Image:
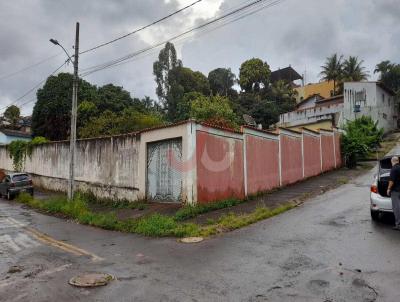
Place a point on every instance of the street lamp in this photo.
(71, 179)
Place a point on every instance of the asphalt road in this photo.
(326, 250)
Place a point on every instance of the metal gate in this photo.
(164, 178)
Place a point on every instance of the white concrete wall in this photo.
(378, 104)
(105, 166)
(311, 115)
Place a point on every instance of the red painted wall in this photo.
(312, 156)
(262, 157)
(328, 155)
(338, 150)
(219, 167)
(292, 166)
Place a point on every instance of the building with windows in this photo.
(359, 99)
(324, 89)
(371, 99)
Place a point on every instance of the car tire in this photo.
(375, 215)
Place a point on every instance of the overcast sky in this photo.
(300, 33)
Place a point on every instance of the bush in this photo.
(361, 136)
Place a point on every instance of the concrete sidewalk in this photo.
(296, 193)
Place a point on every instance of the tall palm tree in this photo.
(353, 70)
(332, 70)
(383, 67)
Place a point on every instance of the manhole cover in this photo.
(91, 280)
(192, 239)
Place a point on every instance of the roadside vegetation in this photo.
(153, 225)
(361, 137)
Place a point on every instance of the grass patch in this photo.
(342, 180)
(233, 221)
(155, 225)
(189, 211)
(114, 203)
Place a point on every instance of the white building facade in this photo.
(359, 99)
(370, 99)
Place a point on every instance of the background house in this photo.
(8, 135)
(372, 99)
(324, 89)
(359, 99)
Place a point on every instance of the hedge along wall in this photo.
(107, 167)
(261, 160)
(291, 156)
(219, 160)
(328, 150)
(312, 153)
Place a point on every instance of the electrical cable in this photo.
(141, 28)
(117, 61)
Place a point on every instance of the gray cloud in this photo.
(300, 33)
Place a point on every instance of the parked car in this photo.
(380, 201)
(15, 183)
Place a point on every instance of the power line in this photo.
(118, 61)
(9, 75)
(181, 40)
(34, 87)
(141, 28)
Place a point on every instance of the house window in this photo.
(383, 98)
(384, 116)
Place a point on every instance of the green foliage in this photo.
(221, 81)
(361, 135)
(338, 70)
(167, 60)
(51, 114)
(155, 225)
(86, 111)
(19, 149)
(353, 70)
(12, 114)
(188, 212)
(110, 123)
(183, 81)
(233, 221)
(254, 75)
(214, 109)
(389, 75)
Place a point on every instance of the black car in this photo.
(15, 183)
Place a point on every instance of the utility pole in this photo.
(71, 180)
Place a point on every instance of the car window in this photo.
(20, 177)
(386, 164)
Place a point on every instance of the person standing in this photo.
(394, 190)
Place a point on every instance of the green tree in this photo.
(353, 70)
(52, 111)
(86, 111)
(389, 75)
(221, 81)
(12, 114)
(360, 137)
(183, 80)
(332, 70)
(254, 75)
(167, 60)
(284, 96)
(113, 98)
(111, 123)
(213, 109)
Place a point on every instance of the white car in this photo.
(380, 201)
